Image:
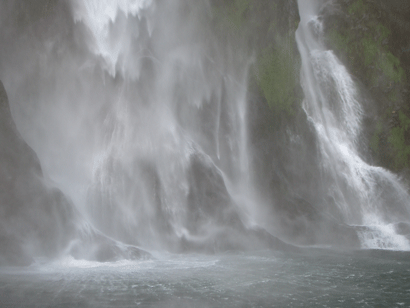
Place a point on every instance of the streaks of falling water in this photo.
(125, 103)
(140, 175)
(363, 194)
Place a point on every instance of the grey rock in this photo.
(36, 220)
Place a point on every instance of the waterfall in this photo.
(138, 112)
(139, 115)
(366, 196)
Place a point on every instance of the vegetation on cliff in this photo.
(267, 28)
(367, 35)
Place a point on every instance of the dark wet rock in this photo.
(402, 228)
(208, 198)
(35, 219)
(214, 220)
(305, 224)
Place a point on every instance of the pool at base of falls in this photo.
(312, 278)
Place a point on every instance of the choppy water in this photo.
(314, 278)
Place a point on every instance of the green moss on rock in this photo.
(268, 28)
(375, 140)
(397, 139)
(276, 79)
(233, 16)
(390, 66)
(370, 50)
(357, 7)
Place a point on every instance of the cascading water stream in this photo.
(363, 195)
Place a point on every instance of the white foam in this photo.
(383, 236)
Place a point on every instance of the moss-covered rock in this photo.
(276, 79)
(267, 30)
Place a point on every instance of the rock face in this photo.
(285, 149)
(367, 36)
(213, 219)
(35, 220)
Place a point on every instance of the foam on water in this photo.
(383, 237)
(162, 262)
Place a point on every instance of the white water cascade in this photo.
(369, 197)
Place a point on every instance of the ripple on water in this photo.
(263, 279)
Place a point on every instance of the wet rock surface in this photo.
(214, 219)
(35, 219)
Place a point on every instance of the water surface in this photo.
(313, 278)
